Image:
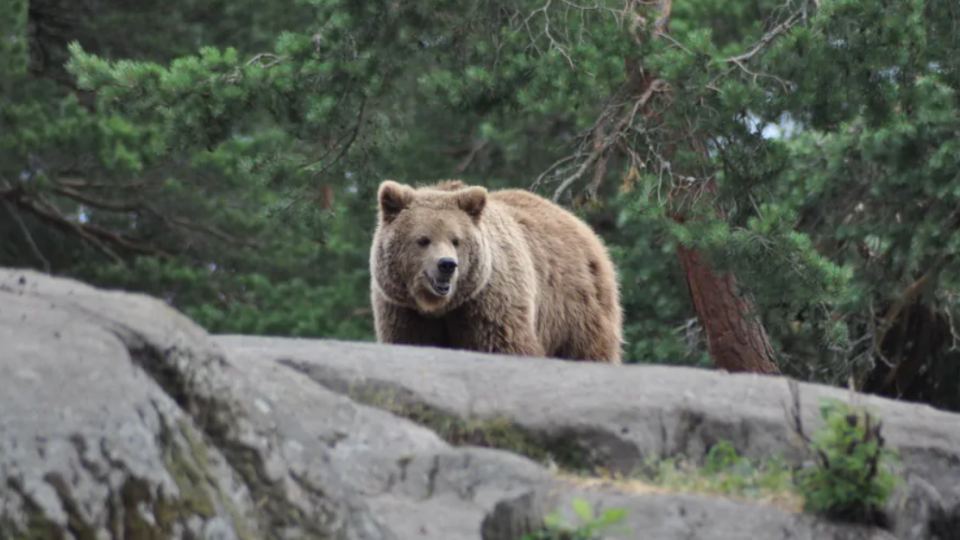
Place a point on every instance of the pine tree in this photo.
(227, 161)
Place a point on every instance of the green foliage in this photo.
(590, 528)
(659, 326)
(724, 473)
(224, 156)
(13, 47)
(852, 478)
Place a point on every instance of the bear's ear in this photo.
(394, 198)
(472, 201)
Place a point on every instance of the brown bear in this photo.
(506, 271)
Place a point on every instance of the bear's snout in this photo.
(446, 266)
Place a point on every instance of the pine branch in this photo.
(141, 207)
(49, 213)
(96, 237)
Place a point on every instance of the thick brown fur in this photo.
(530, 279)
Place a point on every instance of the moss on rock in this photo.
(136, 511)
(499, 432)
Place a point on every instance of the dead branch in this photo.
(766, 40)
(795, 414)
(910, 295)
(49, 213)
(275, 59)
(344, 143)
(639, 81)
(95, 236)
(476, 146)
(15, 216)
(142, 207)
(78, 183)
(137, 207)
(553, 167)
(46, 211)
(575, 176)
(125, 241)
(554, 44)
(662, 24)
(603, 144)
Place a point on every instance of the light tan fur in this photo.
(531, 278)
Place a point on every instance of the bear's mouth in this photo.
(440, 287)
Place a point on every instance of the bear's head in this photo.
(430, 252)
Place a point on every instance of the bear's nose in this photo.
(446, 265)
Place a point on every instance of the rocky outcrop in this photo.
(620, 416)
(120, 418)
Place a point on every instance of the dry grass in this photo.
(688, 480)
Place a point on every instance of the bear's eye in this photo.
(456, 241)
(423, 241)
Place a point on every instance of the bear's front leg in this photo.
(404, 326)
(502, 331)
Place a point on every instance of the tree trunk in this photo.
(737, 340)
(736, 337)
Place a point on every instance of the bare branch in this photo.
(78, 183)
(475, 147)
(141, 207)
(275, 59)
(15, 215)
(27, 236)
(102, 205)
(546, 31)
(951, 224)
(767, 38)
(596, 142)
(551, 168)
(662, 23)
(575, 176)
(602, 145)
(344, 143)
(48, 212)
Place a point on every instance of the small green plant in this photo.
(558, 529)
(724, 473)
(851, 477)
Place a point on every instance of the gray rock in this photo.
(414, 483)
(516, 517)
(918, 512)
(120, 418)
(117, 368)
(91, 445)
(317, 464)
(622, 414)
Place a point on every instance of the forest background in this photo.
(778, 180)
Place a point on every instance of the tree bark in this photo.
(737, 340)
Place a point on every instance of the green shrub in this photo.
(851, 478)
(590, 528)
